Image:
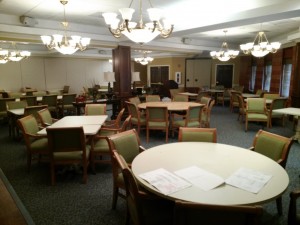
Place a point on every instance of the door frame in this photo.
(216, 72)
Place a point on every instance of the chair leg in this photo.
(52, 174)
(29, 162)
(279, 205)
(115, 197)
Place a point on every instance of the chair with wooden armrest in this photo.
(242, 107)
(256, 110)
(31, 100)
(180, 98)
(205, 115)
(275, 147)
(51, 102)
(277, 103)
(152, 98)
(33, 110)
(66, 107)
(46, 117)
(135, 100)
(138, 119)
(95, 109)
(127, 144)
(197, 134)
(116, 123)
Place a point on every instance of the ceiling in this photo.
(198, 25)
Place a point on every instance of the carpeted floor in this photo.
(70, 202)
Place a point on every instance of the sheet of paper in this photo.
(165, 181)
(248, 179)
(200, 177)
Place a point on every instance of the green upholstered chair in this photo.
(174, 92)
(46, 117)
(271, 95)
(127, 144)
(66, 107)
(138, 119)
(100, 151)
(39, 93)
(197, 134)
(157, 118)
(242, 107)
(51, 102)
(277, 103)
(67, 146)
(3, 107)
(143, 208)
(15, 94)
(275, 147)
(205, 100)
(180, 98)
(205, 115)
(95, 109)
(192, 119)
(293, 213)
(135, 100)
(234, 101)
(31, 100)
(220, 98)
(12, 119)
(189, 213)
(16, 105)
(116, 123)
(152, 98)
(33, 110)
(36, 145)
(256, 110)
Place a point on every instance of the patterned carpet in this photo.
(70, 202)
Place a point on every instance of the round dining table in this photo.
(219, 159)
(172, 106)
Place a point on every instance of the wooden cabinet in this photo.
(198, 72)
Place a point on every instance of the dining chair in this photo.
(67, 146)
(143, 208)
(66, 107)
(116, 123)
(205, 115)
(174, 92)
(220, 99)
(192, 119)
(256, 110)
(157, 118)
(180, 98)
(31, 100)
(15, 94)
(135, 100)
(3, 107)
(36, 145)
(277, 103)
(39, 93)
(51, 102)
(66, 89)
(100, 151)
(152, 98)
(189, 213)
(197, 134)
(293, 212)
(275, 147)
(242, 107)
(95, 109)
(138, 118)
(46, 117)
(127, 144)
(12, 119)
(234, 101)
(33, 110)
(16, 104)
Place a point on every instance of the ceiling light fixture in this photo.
(145, 59)
(62, 43)
(138, 31)
(260, 46)
(224, 54)
(14, 56)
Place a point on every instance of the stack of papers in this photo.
(168, 183)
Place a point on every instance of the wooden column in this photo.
(295, 82)
(122, 69)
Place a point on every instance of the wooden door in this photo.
(159, 74)
(224, 75)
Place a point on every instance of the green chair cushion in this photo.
(71, 155)
(269, 147)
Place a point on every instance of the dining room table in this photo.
(172, 106)
(240, 173)
(91, 124)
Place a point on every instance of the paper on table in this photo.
(248, 179)
(165, 181)
(200, 178)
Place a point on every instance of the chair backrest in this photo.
(14, 94)
(135, 100)
(126, 144)
(174, 92)
(16, 105)
(3, 103)
(117, 121)
(205, 100)
(152, 98)
(189, 213)
(50, 100)
(193, 115)
(156, 115)
(273, 146)
(197, 134)
(278, 103)
(39, 93)
(33, 110)
(271, 95)
(180, 98)
(95, 109)
(66, 89)
(256, 105)
(31, 100)
(45, 117)
(241, 102)
(28, 125)
(68, 99)
(133, 110)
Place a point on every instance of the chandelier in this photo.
(145, 59)
(224, 54)
(261, 46)
(138, 32)
(14, 56)
(62, 43)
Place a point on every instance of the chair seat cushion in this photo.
(39, 144)
(101, 145)
(158, 124)
(76, 155)
(257, 116)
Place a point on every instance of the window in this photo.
(286, 79)
(252, 79)
(266, 81)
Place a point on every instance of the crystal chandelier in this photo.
(224, 54)
(14, 56)
(62, 43)
(138, 31)
(261, 46)
(145, 59)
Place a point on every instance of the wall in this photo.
(53, 73)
